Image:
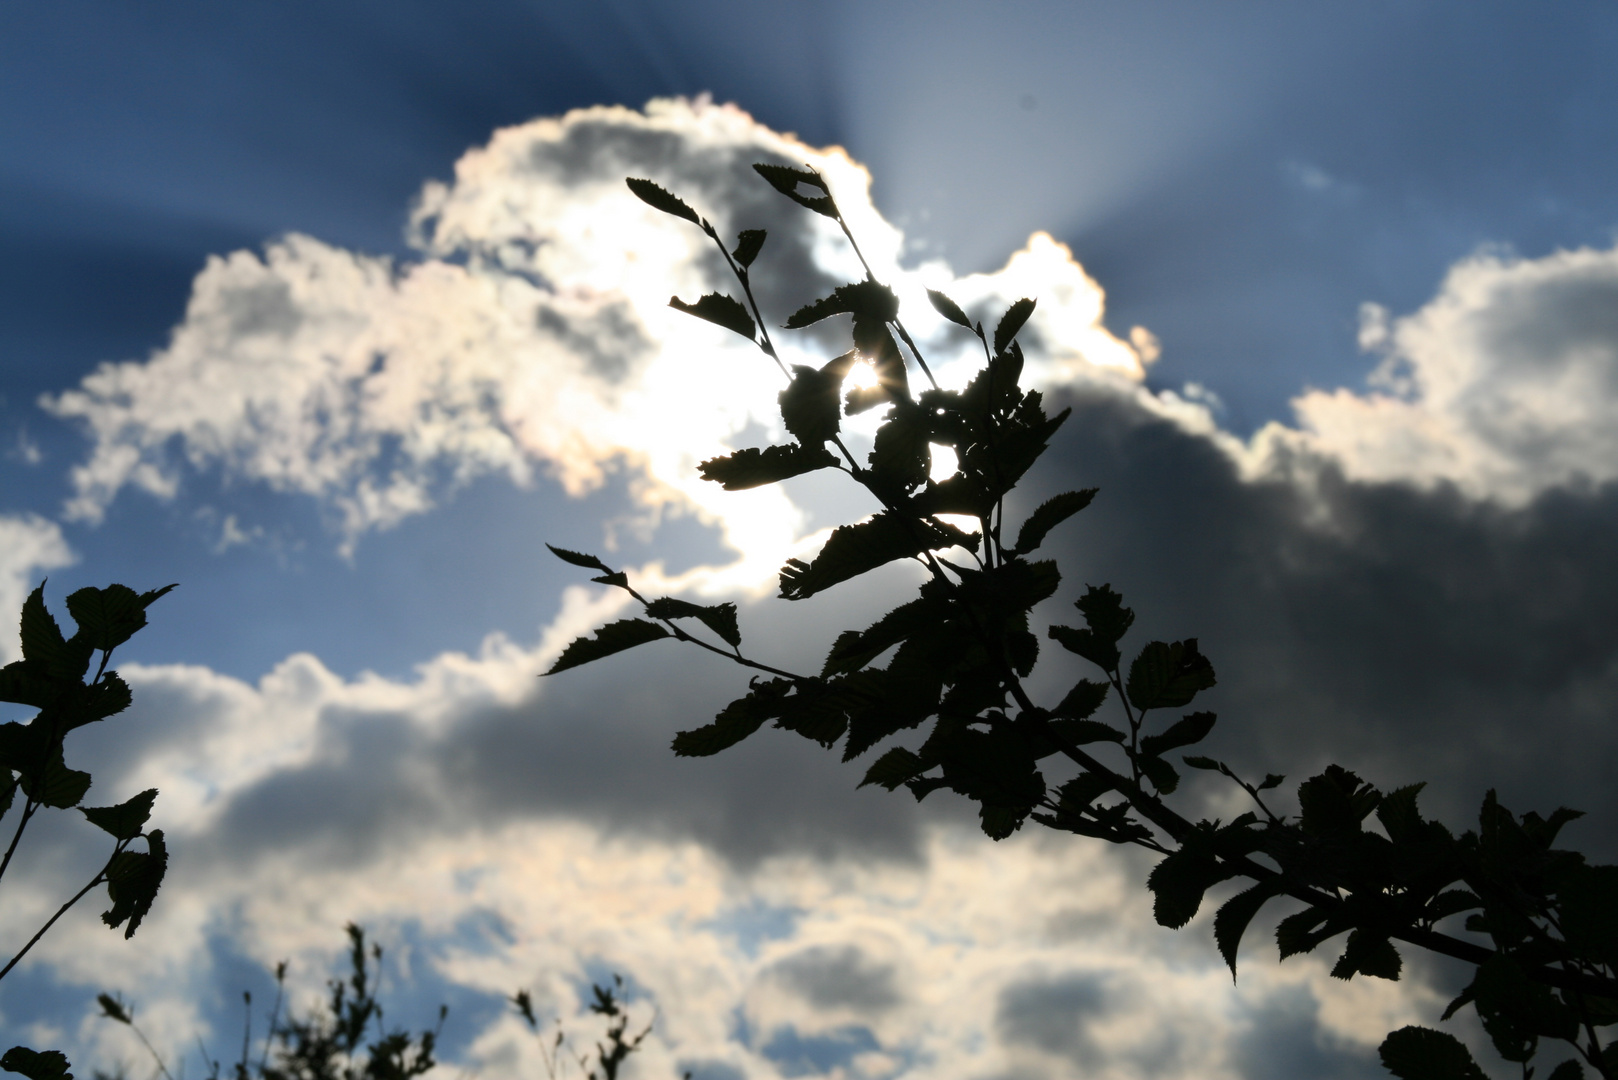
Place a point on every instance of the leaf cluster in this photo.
(935, 690)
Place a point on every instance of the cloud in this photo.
(531, 336)
(28, 545)
(1504, 385)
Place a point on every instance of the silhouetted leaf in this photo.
(865, 299)
(1162, 775)
(720, 618)
(1568, 1070)
(1051, 513)
(719, 309)
(615, 637)
(1230, 923)
(132, 883)
(127, 819)
(786, 180)
(60, 786)
(1185, 732)
(753, 467)
(1168, 676)
(1178, 882)
(26, 684)
(852, 550)
(1300, 932)
(1589, 900)
(113, 1009)
(36, 1065)
(659, 199)
(948, 308)
(577, 558)
(1083, 700)
(44, 646)
(897, 766)
(1104, 612)
(748, 244)
(810, 404)
(1368, 953)
(1418, 1053)
(1198, 762)
(1011, 322)
(734, 723)
(111, 616)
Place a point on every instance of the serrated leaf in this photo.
(44, 646)
(753, 467)
(897, 766)
(615, 637)
(786, 180)
(26, 684)
(734, 723)
(1167, 676)
(1183, 732)
(659, 199)
(1418, 1053)
(868, 300)
(1198, 762)
(1011, 322)
(1230, 923)
(36, 1064)
(1368, 954)
(1178, 883)
(578, 558)
(1299, 933)
(1051, 513)
(948, 308)
(60, 786)
(852, 550)
(1162, 775)
(1271, 780)
(720, 618)
(721, 310)
(748, 244)
(810, 404)
(127, 819)
(1000, 822)
(107, 617)
(1104, 612)
(1568, 1070)
(132, 883)
(1082, 701)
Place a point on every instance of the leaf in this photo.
(113, 1009)
(852, 550)
(869, 300)
(1230, 923)
(127, 819)
(897, 766)
(748, 244)
(719, 309)
(36, 1065)
(1298, 933)
(810, 405)
(589, 562)
(132, 883)
(1184, 732)
(720, 618)
(734, 723)
(1000, 822)
(615, 637)
(659, 199)
(753, 467)
(44, 646)
(107, 617)
(1199, 762)
(1104, 612)
(1082, 701)
(1368, 953)
(948, 308)
(1167, 676)
(1178, 883)
(26, 684)
(1418, 1053)
(1051, 513)
(60, 786)
(1160, 773)
(1011, 322)
(786, 180)
(1568, 1070)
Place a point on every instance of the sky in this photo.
(337, 314)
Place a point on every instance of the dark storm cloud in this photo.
(1410, 635)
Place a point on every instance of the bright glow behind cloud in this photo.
(533, 334)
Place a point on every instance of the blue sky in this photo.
(1329, 288)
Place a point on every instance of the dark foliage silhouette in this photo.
(51, 677)
(1360, 866)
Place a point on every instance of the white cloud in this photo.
(1504, 385)
(532, 334)
(28, 545)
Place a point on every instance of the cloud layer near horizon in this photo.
(1396, 583)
